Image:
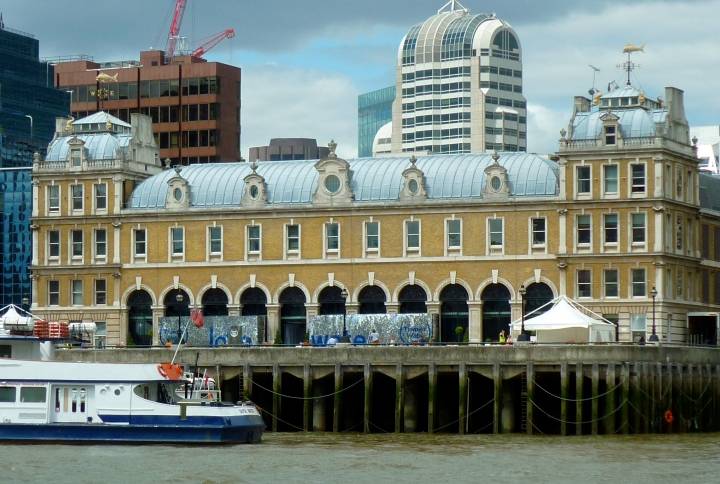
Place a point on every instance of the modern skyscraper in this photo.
(459, 85)
(15, 235)
(29, 103)
(194, 104)
(374, 111)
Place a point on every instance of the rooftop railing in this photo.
(19, 32)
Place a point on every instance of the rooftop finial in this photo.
(495, 157)
(178, 169)
(333, 146)
(453, 6)
(413, 160)
(629, 66)
(253, 167)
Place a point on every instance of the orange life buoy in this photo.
(668, 416)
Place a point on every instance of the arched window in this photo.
(175, 308)
(412, 299)
(331, 301)
(453, 313)
(495, 311)
(504, 40)
(140, 318)
(371, 300)
(214, 302)
(292, 315)
(537, 294)
(253, 301)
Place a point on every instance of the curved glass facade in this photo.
(374, 111)
(15, 237)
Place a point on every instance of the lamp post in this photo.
(345, 337)
(523, 335)
(31, 126)
(653, 337)
(25, 303)
(179, 298)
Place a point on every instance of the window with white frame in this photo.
(215, 240)
(611, 283)
(453, 227)
(53, 204)
(77, 292)
(292, 238)
(76, 244)
(638, 228)
(332, 236)
(53, 244)
(100, 196)
(610, 135)
(412, 235)
(584, 229)
(53, 293)
(610, 179)
(583, 185)
(177, 241)
(76, 193)
(253, 239)
(539, 234)
(140, 243)
(100, 243)
(610, 228)
(75, 157)
(100, 291)
(637, 171)
(638, 326)
(372, 236)
(584, 283)
(638, 282)
(495, 233)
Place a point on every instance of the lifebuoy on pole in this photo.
(668, 416)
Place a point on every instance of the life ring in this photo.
(668, 416)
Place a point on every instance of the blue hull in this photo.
(250, 432)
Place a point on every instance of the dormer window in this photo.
(610, 135)
(76, 156)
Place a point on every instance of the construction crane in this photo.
(174, 35)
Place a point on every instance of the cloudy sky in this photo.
(305, 61)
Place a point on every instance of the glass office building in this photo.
(15, 237)
(374, 111)
(29, 103)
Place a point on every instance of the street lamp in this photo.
(179, 298)
(25, 303)
(31, 126)
(345, 336)
(523, 335)
(653, 337)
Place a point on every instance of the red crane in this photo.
(174, 35)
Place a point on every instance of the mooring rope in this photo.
(577, 423)
(577, 399)
(319, 397)
(466, 416)
(281, 420)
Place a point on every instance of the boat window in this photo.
(7, 394)
(74, 400)
(57, 399)
(5, 351)
(83, 395)
(32, 394)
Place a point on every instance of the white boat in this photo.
(198, 388)
(48, 401)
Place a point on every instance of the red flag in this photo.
(196, 316)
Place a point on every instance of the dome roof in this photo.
(98, 146)
(634, 123)
(448, 177)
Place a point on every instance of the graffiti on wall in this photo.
(392, 328)
(217, 331)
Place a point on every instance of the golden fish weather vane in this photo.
(629, 66)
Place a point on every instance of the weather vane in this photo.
(629, 66)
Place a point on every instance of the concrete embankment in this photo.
(566, 389)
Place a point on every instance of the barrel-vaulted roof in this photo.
(633, 123)
(98, 146)
(447, 177)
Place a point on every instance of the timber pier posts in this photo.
(550, 390)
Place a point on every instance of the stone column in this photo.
(273, 321)
(123, 328)
(498, 421)
(368, 375)
(392, 308)
(337, 397)
(157, 313)
(34, 236)
(562, 237)
(475, 330)
(36, 198)
(233, 309)
(463, 394)
(433, 309)
(116, 242)
(432, 396)
(399, 396)
(277, 390)
(351, 308)
(307, 393)
(34, 286)
(562, 276)
(311, 309)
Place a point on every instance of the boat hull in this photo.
(240, 430)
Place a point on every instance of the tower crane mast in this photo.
(174, 33)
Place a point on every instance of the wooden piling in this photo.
(277, 390)
(462, 400)
(307, 395)
(498, 398)
(246, 388)
(578, 398)
(625, 377)
(399, 397)
(432, 396)
(563, 397)
(367, 375)
(644, 389)
(610, 400)
(595, 398)
(530, 372)
(337, 398)
(635, 398)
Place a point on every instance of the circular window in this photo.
(332, 184)
(117, 391)
(254, 191)
(413, 186)
(177, 193)
(495, 183)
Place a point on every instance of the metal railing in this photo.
(19, 32)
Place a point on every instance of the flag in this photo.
(196, 316)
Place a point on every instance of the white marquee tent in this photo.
(566, 322)
(10, 318)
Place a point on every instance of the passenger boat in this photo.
(49, 401)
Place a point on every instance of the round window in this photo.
(332, 184)
(413, 186)
(254, 191)
(177, 193)
(495, 183)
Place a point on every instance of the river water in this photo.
(404, 458)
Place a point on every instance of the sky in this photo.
(304, 62)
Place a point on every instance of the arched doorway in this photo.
(412, 300)
(371, 300)
(140, 319)
(254, 302)
(453, 313)
(214, 303)
(495, 311)
(177, 310)
(537, 294)
(292, 315)
(330, 301)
